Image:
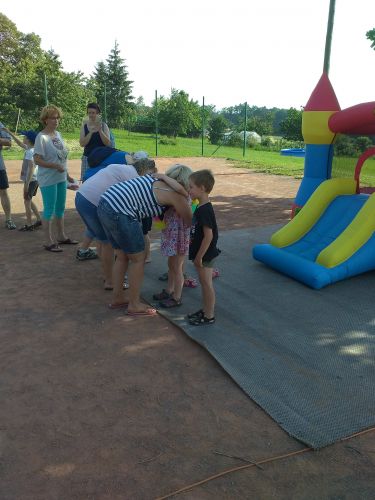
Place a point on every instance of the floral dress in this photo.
(175, 237)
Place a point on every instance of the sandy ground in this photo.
(97, 405)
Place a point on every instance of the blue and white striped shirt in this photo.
(134, 198)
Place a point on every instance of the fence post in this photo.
(18, 120)
(45, 89)
(156, 123)
(244, 131)
(203, 127)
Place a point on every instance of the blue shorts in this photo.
(123, 232)
(89, 215)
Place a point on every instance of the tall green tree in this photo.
(179, 115)
(113, 89)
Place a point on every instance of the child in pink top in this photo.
(175, 238)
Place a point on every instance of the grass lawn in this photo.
(269, 162)
(261, 161)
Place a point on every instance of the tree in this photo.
(217, 126)
(179, 115)
(291, 127)
(113, 89)
(370, 35)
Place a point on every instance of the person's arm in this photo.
(20, 143)
(85, 139)
(48, 164)
(206, 242)
(5, 142)
(172, 183)
(105, 134)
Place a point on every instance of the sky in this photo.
(266, 52)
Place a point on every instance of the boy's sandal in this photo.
(197, 314)
(171, 302)
(201, 320)
(163, 295)
(53, 248)
(9, 224)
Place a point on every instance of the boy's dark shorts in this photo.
(146, 225)
(33, 189)
(4, 184)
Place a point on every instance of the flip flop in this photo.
(108, 288)
(121, 305)
(147, 312)
(68, 241)
(52, 248)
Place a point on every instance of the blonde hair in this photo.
(48, 111)
(180, 173)
(145, 166)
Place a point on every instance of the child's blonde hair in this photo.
(180, 173)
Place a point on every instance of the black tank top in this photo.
(94, 142)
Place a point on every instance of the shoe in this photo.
(26, 228)
(125, 284)
(163, 295)
(190, 282)
(9, 224)
(202, 320)
(163, 277)
(88, 254)
(171, 302)
(37, 224)
(53, 248)
(67, 241)
(215, 273)
(197, 314)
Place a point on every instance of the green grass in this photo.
(268, 162)
(261, 161)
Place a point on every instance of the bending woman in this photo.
(121, 210)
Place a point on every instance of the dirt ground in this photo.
(97, 405)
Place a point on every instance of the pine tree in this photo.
(119, 89)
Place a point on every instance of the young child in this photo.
(175, 244)
(28, 176)
(203, 250)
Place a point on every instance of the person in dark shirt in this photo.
(203, 240)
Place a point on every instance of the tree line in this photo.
(31, 76)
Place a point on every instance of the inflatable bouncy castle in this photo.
(331, 236)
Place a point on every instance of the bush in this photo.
(168, 141)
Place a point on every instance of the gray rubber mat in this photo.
(305, 356)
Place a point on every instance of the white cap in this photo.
(139, 155)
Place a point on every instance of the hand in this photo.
(26, 193)
(59, 168)
(70, 179)
(158, 175)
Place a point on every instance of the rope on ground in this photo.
(254, 464)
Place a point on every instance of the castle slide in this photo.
(330, 239)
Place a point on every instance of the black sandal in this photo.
(197, 314)
(201, 320)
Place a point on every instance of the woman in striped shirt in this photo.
(121, 210)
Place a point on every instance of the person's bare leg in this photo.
(107, 259)
(177, 263)
(85, 244)
(5, 203)
(61, 236)
(120, 267)
(28, 212)
(171, 276)
(147, 248)
(47, 229)
(35, 210)
(136, 270)
(208, 292)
